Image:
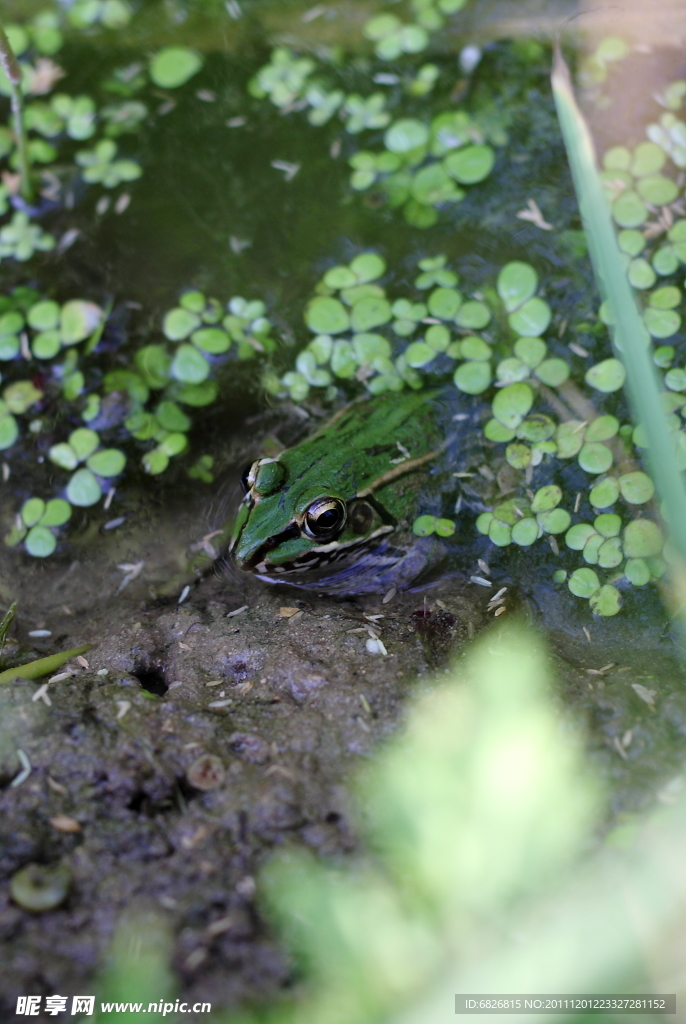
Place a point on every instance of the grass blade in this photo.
(629, 334)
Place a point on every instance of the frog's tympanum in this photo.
(335, 512)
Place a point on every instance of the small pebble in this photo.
(40, 887)
(206, 773)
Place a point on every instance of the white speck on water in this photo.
(481, 581)
(184, 594)
(25, 769)
(40, 632)
(237, 611)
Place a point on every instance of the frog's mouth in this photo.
(314, 557)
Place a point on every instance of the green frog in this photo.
(335, 512)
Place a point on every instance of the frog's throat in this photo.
(323, 554)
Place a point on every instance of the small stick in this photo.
(13, 72)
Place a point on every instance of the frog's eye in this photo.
(248, 477)
(325, 518)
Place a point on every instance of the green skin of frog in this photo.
(335, 512)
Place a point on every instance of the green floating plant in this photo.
(112, 14)
(425, 165)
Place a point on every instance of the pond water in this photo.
(240, 198)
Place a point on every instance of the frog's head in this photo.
(292, 519)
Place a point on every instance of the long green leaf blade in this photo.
(629, 333)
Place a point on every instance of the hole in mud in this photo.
(152, 680)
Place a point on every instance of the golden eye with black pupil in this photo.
(325, 518)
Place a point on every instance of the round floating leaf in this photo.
(552, 372)
(437, 337)
(40, 542)
(665, 261)
(642, 538)
(607, 376)
(676, 379)
(155, 462)
(444, 303)
(473, 347)
(557, 520)
(171, 417)
(618, 158)
(473, 315)
(637, 572)
(108, 462)
(472, 377)
(44, 316)
(583, 583)
(512, 403)
(641, 274)
(531, 319)
(578, 536)
(500, 533)
(648, 158)
(343, 361)
(610, 553)
(569, 437)
(602, 428)
(495, 431)
(84, 442)
(424, 526)
(470, 164)
(525, 532)
(406, 134)
(57, 512)
(9, 347)
(321, 348)
(189, 365)
(431, 185)
(536, 428)
(340, 277)
(509, 371)
(83, 489)
(517, 282)
(445, 527)
(546, 498)
(78, 320)
(212, 340)
(63, 455)
(174, 444)
(370, 312)
(198, 394)
(179, 323)
(46, 345)
(380, 26)
(368, 266)
(607, 524)
(631, 242)
(559, 576)
(661, 323)
(606, 601)
(666, 297)
(419, 354)
(173, 66)
(32, 511)
(193, 300)
(483, 522)
(518, 455)
(636, 487)
(657, 190)
(368, 347)
(629, 210)
(605, 493)
(326, 316)
(531, 351)
(595, 458)
(153, 362)
(419, 215)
